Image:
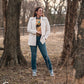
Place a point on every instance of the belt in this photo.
(38, 34)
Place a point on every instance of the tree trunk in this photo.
(1, 14)
(46, 7)
(69, 35)
(12, 54)
(24, 12)
(79, 53)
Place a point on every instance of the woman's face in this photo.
(40, 12)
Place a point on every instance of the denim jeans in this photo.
(44, 53)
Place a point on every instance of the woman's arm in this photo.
(29, 27)
(47, 29)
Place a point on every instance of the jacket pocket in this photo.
(42, 40)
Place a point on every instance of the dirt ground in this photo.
(23, 75)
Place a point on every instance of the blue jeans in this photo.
(44, 53)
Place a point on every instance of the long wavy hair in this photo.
(36, 9)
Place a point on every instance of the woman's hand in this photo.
(38, 32)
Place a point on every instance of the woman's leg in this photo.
(33, 57)
(44, 53)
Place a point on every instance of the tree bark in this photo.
(12, 54)
(79, 53)
(69, 34)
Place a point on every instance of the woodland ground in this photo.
(23, 75)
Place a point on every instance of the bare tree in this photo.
(1, 14)
(69, 35)
(60, 16)
(46, 7)
(57, 10)
(79, 51)
(12, 54)
(24, 8)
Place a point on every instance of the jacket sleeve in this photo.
(29, 27)
(47, 29)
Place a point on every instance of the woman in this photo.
(39, 30)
